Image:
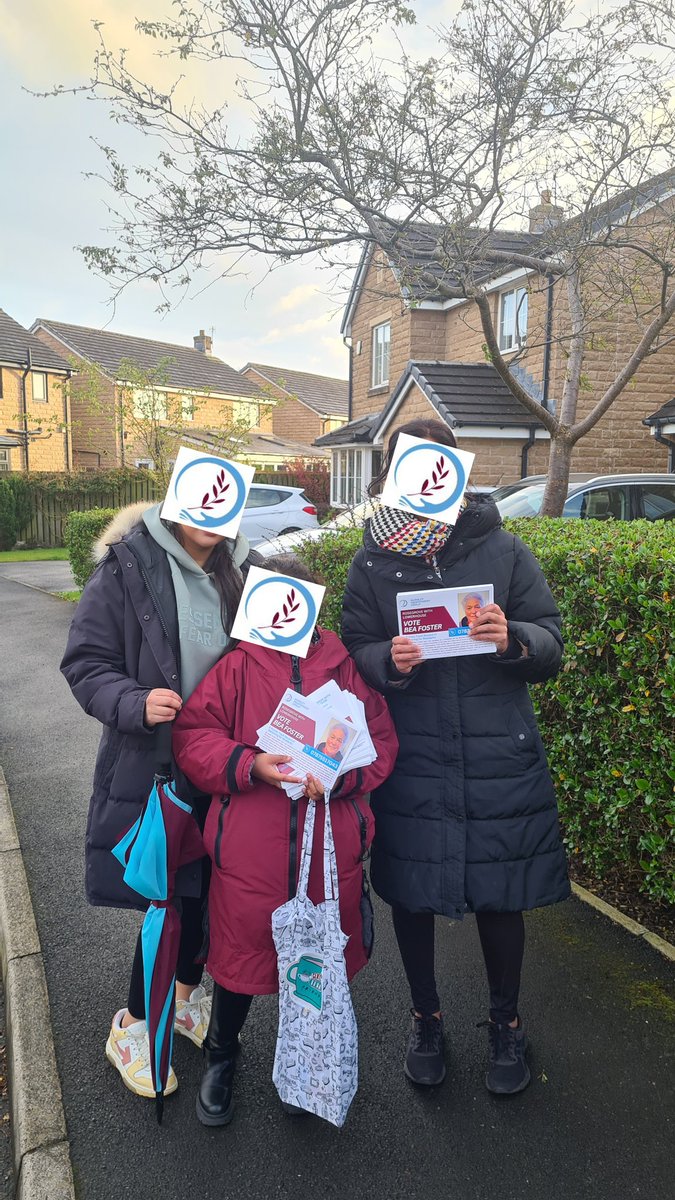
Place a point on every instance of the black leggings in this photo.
(502, 936)
(187, 971)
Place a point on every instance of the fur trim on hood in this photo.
(122, 523)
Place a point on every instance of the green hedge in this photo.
(80, 532)
(608, 718)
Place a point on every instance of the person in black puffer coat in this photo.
(153, 618)
(467, 822)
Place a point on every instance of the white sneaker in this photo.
(193, 1016)
(129, 1052)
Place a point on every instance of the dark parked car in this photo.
(596, 497)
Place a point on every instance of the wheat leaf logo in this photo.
(289, 610)
(214, 496)
(436, 482)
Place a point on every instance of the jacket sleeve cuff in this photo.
(238, 772)
(131, 712)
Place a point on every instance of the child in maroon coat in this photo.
(253, 830)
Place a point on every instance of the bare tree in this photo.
(340, 146)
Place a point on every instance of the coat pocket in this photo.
(217, 845)
(213, 828)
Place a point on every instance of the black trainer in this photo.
(507, 1071)
(424, 1057)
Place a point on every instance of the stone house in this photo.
(414, 353)
(307, 405)
(205, 392)
(34, 402)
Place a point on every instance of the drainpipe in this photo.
(349, 344)
(24, 408)
(65, 420)
(527, 446)
(547, 345)
(665, 442)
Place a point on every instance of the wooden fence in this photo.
(50, 509)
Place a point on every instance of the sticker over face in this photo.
(278, 611)
(207, 492)
(427, 479)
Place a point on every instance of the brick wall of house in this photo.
(288, 418)
(618, 443)
(380, 301)
(94, 432)
(52, 453)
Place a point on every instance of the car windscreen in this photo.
(524, 503)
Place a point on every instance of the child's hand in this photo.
(161, 705)
(267, 768)
(314, 789)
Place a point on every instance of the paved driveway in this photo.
(597, 1123)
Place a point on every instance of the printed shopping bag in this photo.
(316, 1059)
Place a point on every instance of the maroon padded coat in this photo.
(253, 831)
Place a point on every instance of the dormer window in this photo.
(513, 319)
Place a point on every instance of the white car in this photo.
(287, 544)
(272, 510)
(355, 518)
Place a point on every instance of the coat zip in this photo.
(296, 680)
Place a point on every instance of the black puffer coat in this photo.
(123, 642)
(468, 819)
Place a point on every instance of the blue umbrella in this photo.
(164, 838)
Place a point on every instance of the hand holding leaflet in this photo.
(439, 620)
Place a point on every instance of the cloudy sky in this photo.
(47, 207)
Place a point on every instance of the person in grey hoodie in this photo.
(153, 619)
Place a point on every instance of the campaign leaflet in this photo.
(316, 738)
(439, 620)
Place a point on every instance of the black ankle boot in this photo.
(215, 1101)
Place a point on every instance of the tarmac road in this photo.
(598, 1122)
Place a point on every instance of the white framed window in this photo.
(150, 405)
(144, 464)
(352, 469)
(40, 386)
(5, 460)
(245, 413)
(381, 348)
(513, 319)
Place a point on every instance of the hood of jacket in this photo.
(129, 519)
(327, 644)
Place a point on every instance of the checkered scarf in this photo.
(393, 529)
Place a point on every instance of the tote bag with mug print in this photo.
(316, 1059)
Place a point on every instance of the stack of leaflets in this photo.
(325, 734)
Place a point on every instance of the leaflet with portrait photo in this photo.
(438, 621)
(317, 738)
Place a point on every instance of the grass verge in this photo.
(56, 554)
(68, 595)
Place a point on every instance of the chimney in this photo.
(202, 342)
(545, 214)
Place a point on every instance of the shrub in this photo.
(8, 524)
(22, 499)
(80, 532)
(313, 476)
(607, 719)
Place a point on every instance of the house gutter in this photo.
(525, 450)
